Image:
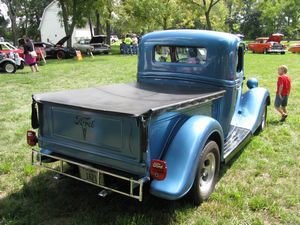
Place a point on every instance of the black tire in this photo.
(282, 53)
(106, 53)
(9, 67)
(21, 65)
(263, 122)
(60, 55)
(207, 173)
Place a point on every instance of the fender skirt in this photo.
(182, 157)
(250, 112)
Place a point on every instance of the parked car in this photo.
(113, 38)
(185, 116)
(268, 44)
(57, 51)
(14, 53)
(84, 46)
(295, 48)
(99, 44)
(7, 65)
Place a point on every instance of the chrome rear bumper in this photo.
(60, 165)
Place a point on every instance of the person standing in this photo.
(134, 44)
(30, 55)
(283, 91)
(128, 43)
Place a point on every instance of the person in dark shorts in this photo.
(283, 91)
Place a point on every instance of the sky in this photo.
(3, 10)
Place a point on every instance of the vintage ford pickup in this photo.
(174, 128)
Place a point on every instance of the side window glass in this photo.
(178, 54)
(162, 54)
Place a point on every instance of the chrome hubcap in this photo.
(207, 172)
(9, 68)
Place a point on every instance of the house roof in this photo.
(44, 12)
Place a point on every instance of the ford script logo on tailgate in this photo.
(85, 123)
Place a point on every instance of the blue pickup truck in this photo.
(184, 117)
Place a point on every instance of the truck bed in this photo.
(133, 99)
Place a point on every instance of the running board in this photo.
(235, 142)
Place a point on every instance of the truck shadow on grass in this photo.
(46, 201)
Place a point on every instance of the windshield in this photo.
(10, 46)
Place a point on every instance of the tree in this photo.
(3, 24)
(30, 15)
(279, 16)
(73, 14)
(13, 7)
(206, 7)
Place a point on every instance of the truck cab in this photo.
(174, 127)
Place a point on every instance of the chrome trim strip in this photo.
(36, 157)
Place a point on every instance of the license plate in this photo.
(91, 176)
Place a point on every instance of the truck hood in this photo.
(276, 37)
(63, 40)
(98, 39)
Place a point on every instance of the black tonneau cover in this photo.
(132, 99)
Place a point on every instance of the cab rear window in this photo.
(179, 54)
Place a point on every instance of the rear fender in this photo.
(182, 156)
(251, 108)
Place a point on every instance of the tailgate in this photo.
(114, 141)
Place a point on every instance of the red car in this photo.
(268, 45)
(295, 48)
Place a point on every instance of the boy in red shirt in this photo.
(283, 91)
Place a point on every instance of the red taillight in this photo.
(158, 169)
(31, 138)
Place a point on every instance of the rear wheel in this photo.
(9, 67)
(282, 53)
(207, 173)
(60, 55)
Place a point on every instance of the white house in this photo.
(52, 28)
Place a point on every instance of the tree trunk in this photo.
(208, 22)
(68, 28)
(108, 31)
(91, 26)
(165, 23)
(97, 31)
(14, 29)
(13, 18)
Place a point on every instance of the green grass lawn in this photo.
(260, 186)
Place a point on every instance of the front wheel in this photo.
(263, 122)
(207, 173)
(9, 67)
